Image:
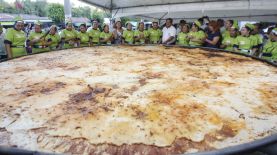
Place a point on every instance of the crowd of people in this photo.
(202, 32)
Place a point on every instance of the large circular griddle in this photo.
(144, 99)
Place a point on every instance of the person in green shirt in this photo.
(245, 43)
(196, 35)
(69, 36)
(155, 34)
(270, 48)
(83, 36)
(228, 24)
(182, 38)
(128, 35)
(228, 42)
(141, 35)
(106, 37)
(36, 40)
(94, 33)
(255, 34)
(53, 38)
(15, 39)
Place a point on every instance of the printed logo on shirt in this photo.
(19, 36)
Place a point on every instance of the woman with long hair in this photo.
(118, 32)
(213, 35)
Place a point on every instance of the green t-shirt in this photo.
(128, 36)
(95, 35)
(245, 43)
(255, 40)
(40, 45)
(105, 35)
(36, 35)
(55, 40)
(271, 47)
(137, 33)
(69, 35)
(259, 38)
(84, 38)
(182, 39)
(229, 42)
(17, 39)
(199, 35)
(154, 35)
(225, 34)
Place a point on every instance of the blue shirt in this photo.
(210, 37)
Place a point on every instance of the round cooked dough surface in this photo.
(135, 100)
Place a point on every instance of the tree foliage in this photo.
(56, 12)
(82, 12)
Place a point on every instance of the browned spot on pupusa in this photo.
(150, 75)
(212, 54)
(142, 82)
(21, 69)
(165, 97)
(65, 144)
(229, 129)
(268, 96)
(43, 88)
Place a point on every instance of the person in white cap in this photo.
(169, 32)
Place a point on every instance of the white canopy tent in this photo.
(250, 10)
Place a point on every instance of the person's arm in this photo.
(8, 42)
(214, 41)
(137, 36)
(102, 38)
(169, 39)
(48, 41)
(115, 33)
(111, 38)
(236, 47)
(223, 46)
(9, 50)
(123, 37)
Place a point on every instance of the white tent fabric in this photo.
(252, 10)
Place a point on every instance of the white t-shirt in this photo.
(168, 32)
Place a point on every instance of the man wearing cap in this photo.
(3, 54)
(69, 36)
(36, 39)
(229, 40)
(169, 32)
(141, 35)
(270, 48)
(155, 33)
(196, 35)
(94, 33)
(15, 39)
